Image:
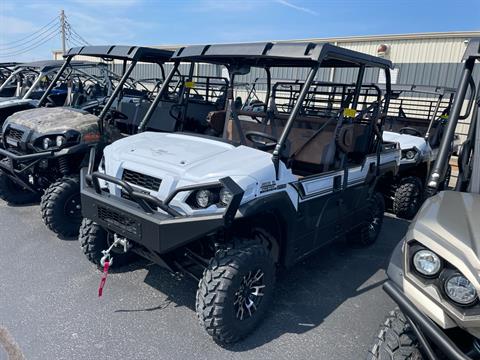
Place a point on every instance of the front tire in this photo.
(408, 197)
(235, 292)
(93, 239)
(395, 340)
(13, 193)
(60, 206)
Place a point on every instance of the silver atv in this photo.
(434, 272)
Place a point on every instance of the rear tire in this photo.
(233, 281)
(367, 233)
(93, 239)
(408, 197)
(395, 340)
(13, 193)
(60, 206)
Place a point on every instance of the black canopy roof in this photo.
(47, 65)
(122, 52)
(473, 49)
(296, 54)
(8, 64)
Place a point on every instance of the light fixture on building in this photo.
(383, 50)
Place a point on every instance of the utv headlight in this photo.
(60, 140)
(426, 262)
(409, 154)
(47, 142)
(225, 196)
(460, 290)
(203, 198)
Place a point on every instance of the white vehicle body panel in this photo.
(407, 142)
(182, 160)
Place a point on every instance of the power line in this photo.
(74, 32)
(35, 32)
(43, 35)
(34, 46)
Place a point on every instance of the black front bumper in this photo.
(157, 231)
(20, 175)
(426, 330)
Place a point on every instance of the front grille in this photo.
(15, 134)
(145, 181)
(118, 220)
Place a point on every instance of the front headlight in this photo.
(60, 140)
(203, 198)
(47, 142)
(427, 263)
(409, 154)
(460, 290)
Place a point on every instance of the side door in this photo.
(319, 210)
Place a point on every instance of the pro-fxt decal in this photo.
(271, 186)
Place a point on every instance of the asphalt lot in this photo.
(328, 307)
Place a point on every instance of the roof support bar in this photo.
(293, 115)
(160, 95)
(54, 81)
(439, 167)
(117, 90)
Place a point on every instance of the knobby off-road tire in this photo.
(60, 206)
(367, 233)
(234, 279)
(408, 198)
(93, 239)
(15, 194)
(395, 340)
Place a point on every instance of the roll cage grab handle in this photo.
(439, 167)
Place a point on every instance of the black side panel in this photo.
(282, 206)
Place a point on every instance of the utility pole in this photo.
(62, 29)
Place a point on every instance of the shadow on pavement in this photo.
(307, 293)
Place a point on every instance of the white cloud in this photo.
(296, 7)
(13, 26)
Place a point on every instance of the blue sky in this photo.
(154, 22)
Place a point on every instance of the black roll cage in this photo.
(437, 174)
(127, 54)
(238, 58)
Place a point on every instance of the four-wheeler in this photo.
(6, 69)
(434, 271)
(278, 185)
(78, 86)
(45, 147)
(416, 119)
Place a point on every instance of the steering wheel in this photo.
(50, 102)
(115, 114)
(256, 138)
(410, 131)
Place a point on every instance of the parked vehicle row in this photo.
(226, 188)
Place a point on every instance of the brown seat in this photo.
(216, 121)
(315, 153)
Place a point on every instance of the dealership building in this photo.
(421, 59)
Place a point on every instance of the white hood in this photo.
(406, 141)
(181, 160)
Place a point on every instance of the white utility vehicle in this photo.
(416, 119)
(280, 183)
